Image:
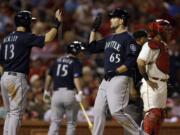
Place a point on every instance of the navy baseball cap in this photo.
(139, 34)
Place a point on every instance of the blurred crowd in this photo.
(78, 16)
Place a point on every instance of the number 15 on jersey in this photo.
(62, 70)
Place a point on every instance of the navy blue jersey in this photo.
(119, 49)
(16, 48)
(64, 70)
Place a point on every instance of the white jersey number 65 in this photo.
(114, 58)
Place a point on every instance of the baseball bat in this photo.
(86, 116)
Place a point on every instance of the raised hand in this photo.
(58, 15)
(97, 22)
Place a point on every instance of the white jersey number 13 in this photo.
(9, 52)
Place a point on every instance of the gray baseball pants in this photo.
(135, 110)
(14, 89)
(115, 95)
(63, 102)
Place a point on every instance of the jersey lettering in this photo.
(113, 44)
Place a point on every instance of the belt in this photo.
(159, 79)
(65, 88)
(15, 74)
(12, 73)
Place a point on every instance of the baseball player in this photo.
(14, 56)
(120, 54)
(66, 75)
(153, 64)
(135, 105)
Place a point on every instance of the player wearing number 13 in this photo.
(120, 54)
(14, 57)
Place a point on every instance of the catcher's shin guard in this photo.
(152, 121)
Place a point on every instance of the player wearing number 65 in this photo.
(120, 54)
(14, 57)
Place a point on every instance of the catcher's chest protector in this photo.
(162, 60)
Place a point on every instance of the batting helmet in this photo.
(23, 18)
(120, 13)
(75, 47)
(158, 27)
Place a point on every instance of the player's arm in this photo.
(141, 62)
(47, 93)
(49, 36)
(77, 74)
(142, 68)
(130, 60)
(92, 36)
(39, 41)
(48, 81)
(78, 84)
(95, 26)
(121, 69)
(95, 46)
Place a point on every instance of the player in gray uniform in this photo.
(66, 75)
(120, 55)
(14, 57)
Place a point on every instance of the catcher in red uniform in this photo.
(153, 64)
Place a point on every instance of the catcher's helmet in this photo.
(75, 47)
(23, 18)
(120, 13)
(158, 26)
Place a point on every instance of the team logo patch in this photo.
(133, 47)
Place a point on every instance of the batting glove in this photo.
(97, 22)
(79, 96)
(109, 75)
(46, 96)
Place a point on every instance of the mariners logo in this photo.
(133, 47)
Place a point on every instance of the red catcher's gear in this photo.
(153, 120)
(158, 26)
(162, 61)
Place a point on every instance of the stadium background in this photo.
(78, 16)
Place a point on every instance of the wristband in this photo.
(145, 76)
(56, 24)
(94, 30)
